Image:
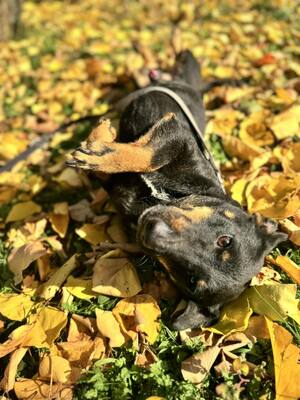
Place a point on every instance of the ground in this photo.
(82, 317)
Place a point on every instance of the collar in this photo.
(123, 103)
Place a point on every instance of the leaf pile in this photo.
(81, 316)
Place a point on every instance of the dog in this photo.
(168, 192)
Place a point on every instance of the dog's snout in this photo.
(157, 228)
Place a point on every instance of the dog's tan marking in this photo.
(120, 157)
(184, 217)
(201, 283)
(104, 132)
(111, 157)
(226, 256)
(229, 214)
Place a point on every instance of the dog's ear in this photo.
(268, 228)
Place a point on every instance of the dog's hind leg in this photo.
(188, 69)
(149, 153)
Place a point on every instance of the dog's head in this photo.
(210, 247)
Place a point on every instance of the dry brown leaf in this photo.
(59, 218)
(51, 287)
(20, 258)
(115, 277)
(196, 367)
(257, 328)
(286, 362)
(81, 211)
(23, 210)
(109, 327)
(115, 230)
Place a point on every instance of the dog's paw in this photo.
(103, 133)
(87, 159)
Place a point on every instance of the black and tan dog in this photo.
(169, 194)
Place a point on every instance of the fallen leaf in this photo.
(286, 362)
(234, 147)
(234, 317)
(59, 218)
(81, 211)
(39, 390)
(115, 277)
(70, 178)
(286, 124)
(138, 314)
(80, 288)
(20, 258)
(109, 327)
(275, 196)
(277, 301)
(196, 367)
(288, 266)
(9, 376)
(15, 307)
(254, 131)
(52, 322)
(23, 210)
(55, 367)
(92, 233)
(51, 287)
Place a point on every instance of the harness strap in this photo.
(123, 103)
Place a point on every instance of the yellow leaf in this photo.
(12, 143)
(51, 287)
(289, 157)
(55, 367)
(59, 218)
(234, 317)
(275, 196)
(236, 148)
(8, 380)
(109, 327)
(286, 124)
(257, 328)
(52, 322)
(15, 306)
(277, 301)
(286, 362)
(70, 178)
(92, 233)
(254, 131)
(289, 267)
(196, 367)
(29, 232)
(80, 288)
(39, 390)
(21, 257)
(115, 277)
(21, 211)
(138, 314)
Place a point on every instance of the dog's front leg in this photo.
(149, 153)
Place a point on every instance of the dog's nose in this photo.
(157, 228)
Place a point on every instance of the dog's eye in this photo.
(224, 241)
(192, 281)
